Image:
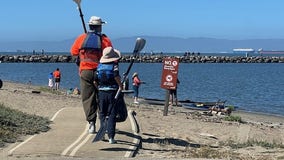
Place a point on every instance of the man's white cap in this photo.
(94, 20)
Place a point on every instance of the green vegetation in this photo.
(47, 89)
(208, 152)
(251, 143)
(195, 150)
(205, 151)
(14, 124)
(233, 118)
(232, 108)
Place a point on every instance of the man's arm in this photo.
(106, 42)
(75, 49)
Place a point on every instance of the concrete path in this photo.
(68, 137)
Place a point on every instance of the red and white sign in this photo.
(170, 72)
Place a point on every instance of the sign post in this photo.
(169, 78)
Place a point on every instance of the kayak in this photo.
(187, 103)
(196, 106)
(152, 101)
(204, 105)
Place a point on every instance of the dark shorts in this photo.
(136, 90)
(57, 79)
(173, 92)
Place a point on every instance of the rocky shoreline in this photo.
(144, 59)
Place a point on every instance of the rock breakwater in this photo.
(144, 59)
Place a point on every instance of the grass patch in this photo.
(251, 143)
(219, 153)
(47, 89)
(232, 108)
(208, 153)
(14, 124)
(233, 118)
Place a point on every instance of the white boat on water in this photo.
(243, 50)
(261, 51)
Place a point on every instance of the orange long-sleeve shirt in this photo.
(75, 51)
(56, 74)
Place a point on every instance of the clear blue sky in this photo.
(33, 20)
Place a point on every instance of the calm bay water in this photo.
(251, 87)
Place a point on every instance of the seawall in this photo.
(144, 59)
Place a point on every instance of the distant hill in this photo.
(155, 44)
(29, 46)
(203, 45)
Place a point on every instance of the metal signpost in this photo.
(169, 78)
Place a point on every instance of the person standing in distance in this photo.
(136, 83)
(89, 47)
(50, 80)
(57, 77)
(173, 96)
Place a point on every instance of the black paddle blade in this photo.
(139, 45)
(101, 132)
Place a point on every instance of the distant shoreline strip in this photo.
(146, 59)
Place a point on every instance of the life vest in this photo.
(91, 50)
(92, 42)
(78, 50)
(105, 75)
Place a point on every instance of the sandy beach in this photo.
(182, 134)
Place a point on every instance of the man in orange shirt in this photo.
(89, 47)
(57, 77)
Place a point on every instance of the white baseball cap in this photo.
(94, 20)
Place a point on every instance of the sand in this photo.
(183, 133)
